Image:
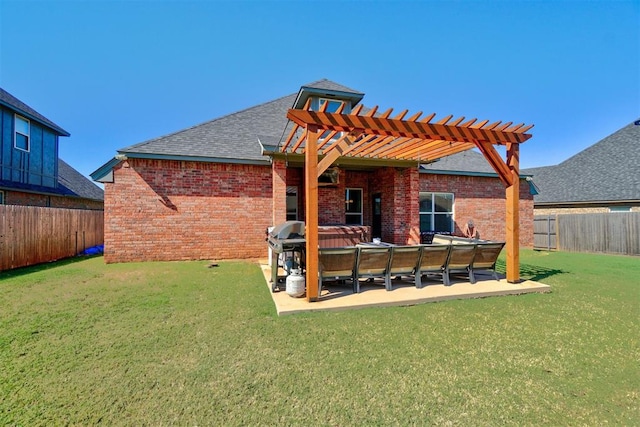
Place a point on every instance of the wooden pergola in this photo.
(381, 136)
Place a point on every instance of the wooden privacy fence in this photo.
(544, 232)
(32, 235)
(615, 233)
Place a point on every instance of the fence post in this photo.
(548, 233)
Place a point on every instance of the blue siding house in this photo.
(30, 171)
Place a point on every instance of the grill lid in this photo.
(288, 230)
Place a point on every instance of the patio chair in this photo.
(373, 262)
(336, 264)
(486, 256)
(433, 260)
(441, 239)
(403, 262)
(461, 259)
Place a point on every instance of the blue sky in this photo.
(115, 73)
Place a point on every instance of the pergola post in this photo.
(513, 214)
(311, 211)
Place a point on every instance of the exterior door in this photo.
(376, 220)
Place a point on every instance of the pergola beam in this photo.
(337, 151)
(385, 126)
(496, 162)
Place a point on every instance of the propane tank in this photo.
(295, 284)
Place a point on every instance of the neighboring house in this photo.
(211, 191)
(604, 177)
(30, 171)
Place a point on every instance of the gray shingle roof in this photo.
(468, 161)
(235, 137)
(609, 170)
(231, 137)
(77, 184)
(14, 103)
(329, 85)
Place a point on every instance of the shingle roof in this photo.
(329, 85)
(231, 137)
(468, 161)
(76, 183)
(14, 103)
(235, 137)
(609, 170)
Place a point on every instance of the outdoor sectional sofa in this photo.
(446, 255)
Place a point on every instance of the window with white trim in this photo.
(436, 212)
(22, 133)
(353, 206)
(292, 203)
(619, 208)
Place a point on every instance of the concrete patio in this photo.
(340, 297)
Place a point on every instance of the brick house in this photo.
(31, 173)
(210, 191)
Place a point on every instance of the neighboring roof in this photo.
(234, 137)
(71, 183)
(23, 109)
(77, 184)
(607, 171)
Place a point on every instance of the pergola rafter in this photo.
(371, 135)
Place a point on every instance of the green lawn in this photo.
(83, 343)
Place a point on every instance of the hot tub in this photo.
(337, 236)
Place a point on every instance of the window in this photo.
(21, 135)
(1, 197)
(436, 212)
(353, 206)
(620, 209)
(292, 203)
(332, 107)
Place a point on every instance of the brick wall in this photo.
(42, 200)
(174, 210)
(400, 191)
(482, 199)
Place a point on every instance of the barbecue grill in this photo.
(287, 237)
